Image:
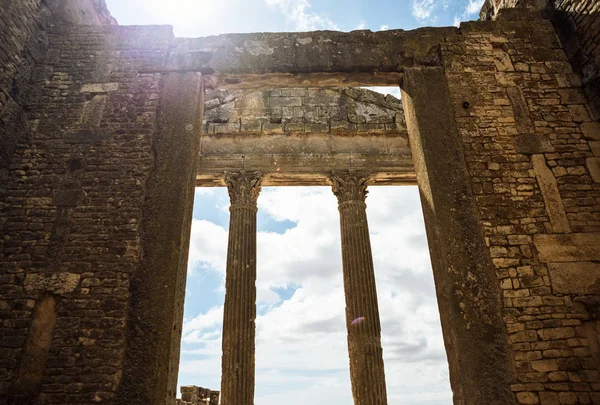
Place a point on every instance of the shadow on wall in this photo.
(578, 29)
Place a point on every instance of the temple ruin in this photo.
(105, 131)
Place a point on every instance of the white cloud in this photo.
(473, 7)
(456, 21)
(301, 341)
(361, 26)
(470, 12)
(422, 10)
(297, 12)
(208, 246)
(384, 28)
(394, 91)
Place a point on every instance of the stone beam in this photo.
(305, 160)
(323, 58)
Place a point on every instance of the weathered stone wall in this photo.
(24, 32)
(192, 395)
(302, 110)
(576, 23)
(73, 223)
(532, 157)
(98, 204)
(22, 29)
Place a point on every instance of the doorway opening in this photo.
(301, 346)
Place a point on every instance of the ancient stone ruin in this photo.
(105, 131)
(192, 395)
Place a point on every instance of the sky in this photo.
(301, 349)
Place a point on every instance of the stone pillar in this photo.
(362, 313)
(237, 379)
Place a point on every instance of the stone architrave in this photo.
(237, 381)
(362, 313)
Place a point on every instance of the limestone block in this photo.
(551, 194)
(574, 247)
(99, 87)
(595, 146)
(591, 130)
(575, 278)
(530, 144)
(55, 283)
(527, 398)
(593, 165)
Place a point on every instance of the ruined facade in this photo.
(103, 138)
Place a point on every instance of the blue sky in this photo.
(301, 353)
(193, 18)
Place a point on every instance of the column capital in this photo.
(350, 186)
(244, 187)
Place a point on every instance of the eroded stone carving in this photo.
(244, 187)
(351, 186)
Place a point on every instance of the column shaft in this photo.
(362, 313)
(237, 379)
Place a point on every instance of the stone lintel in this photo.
(309, 170)
(572, 247)
(296, 53)
(306, 160)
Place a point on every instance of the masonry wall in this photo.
(92, 271)
(24, 31)
(302, 110)
(531, 150)
(576, 24)
(72, 223)
(23, 25)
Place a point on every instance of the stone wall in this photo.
(531, 150)
(576, 23)
(24, 30)
(192, 395)
(303, 110)
(22, 27)
(72, 224)
(92, 269)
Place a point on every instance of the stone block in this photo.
(595, 146)
(555, 334)
(579, 112)
(544, 366)
(527, 398)
(593, 165)
(69, 197)
(530, 144)
(591, 130)
(551, 193)
(55, 283)
(285, 102)
(88, 136)
(99, 87)
(575, 278)
(573, 247)
(549, 398)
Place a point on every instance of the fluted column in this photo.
(362, 313)
(237, 362)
